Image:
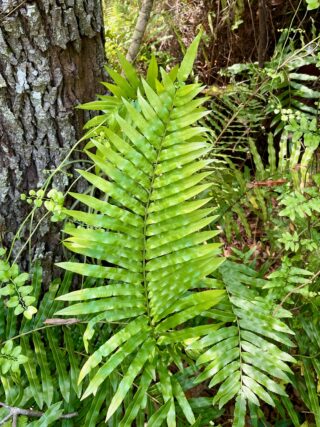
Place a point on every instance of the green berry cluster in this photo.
(53, 202)
(35, 197)
(288, 114)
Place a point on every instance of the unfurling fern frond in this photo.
(143, 236)
(245, 358)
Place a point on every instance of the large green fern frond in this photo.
(245, 357)
(143, 234)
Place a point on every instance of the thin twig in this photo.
(5, 15)
(14, 413)
(5, 419)
(14, 420)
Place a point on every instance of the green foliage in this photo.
(284, 280)
(242, 356)
(162, 330)
(120, 19)
(265, 134)
(11, 357)
(289, 92)
(312, 4)
(53, 201)
(276, 195)
(38, 362)
(149, 234)
(14, 288)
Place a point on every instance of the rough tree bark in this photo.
(263, 32)
(51, 59)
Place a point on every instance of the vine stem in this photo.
(14, 412)
(49, 325)
(46, 185)
(31, 234)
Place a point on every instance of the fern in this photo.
(142, 237)
(277, 100)
(160, 311)
(235, 115)
(244, 356)
(145, 238)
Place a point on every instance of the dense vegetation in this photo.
(191, 287)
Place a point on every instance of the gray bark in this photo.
(140, 28)
(51, 59)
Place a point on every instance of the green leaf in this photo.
(312, 393)
(31, 372)
(137, 401)
(95, 407)
(188, 60)
(133, 370)
(50, 416)
(122, 83)
(140, 324)
(158, 417)
(240, 411)
(152, 72)
(182, 400)
(100, 272)
(129, 347)
(187, 333)
(74, 363)
(101, 292)
(59, 359)
(46, 379)
(129, 71)
(91, 307)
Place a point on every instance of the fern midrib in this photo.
(146, 215)
(239, 340)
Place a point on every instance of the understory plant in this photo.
(266, 137)
(143, 235)
(151, 325)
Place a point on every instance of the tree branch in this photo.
(141, 25)
(14, 412)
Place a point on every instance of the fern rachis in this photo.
(148, 232)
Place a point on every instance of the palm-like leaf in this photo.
(245, 358)
(144, 237)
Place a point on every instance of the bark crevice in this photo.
(51, 59)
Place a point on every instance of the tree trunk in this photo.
(51, 59)
(140, 28)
